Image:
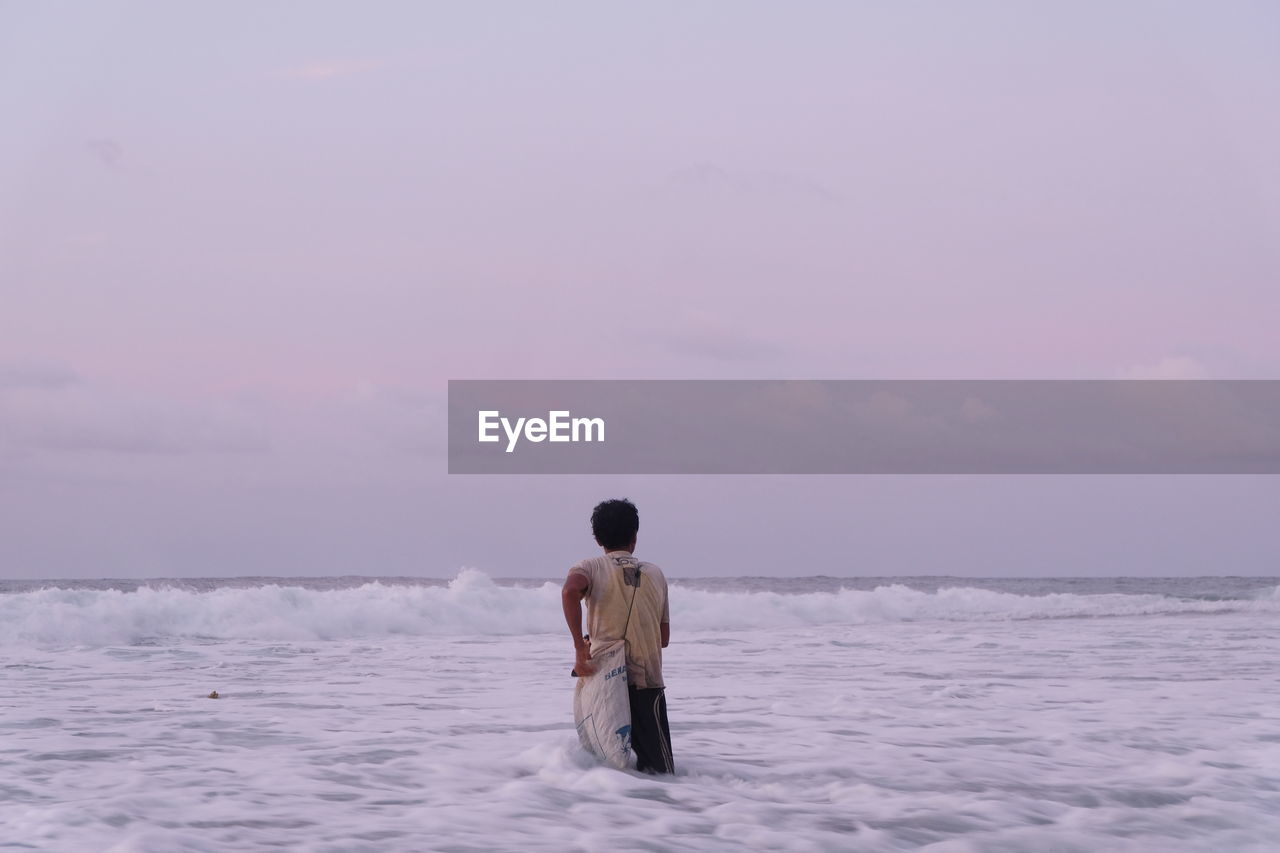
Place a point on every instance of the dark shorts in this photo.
(650, 735)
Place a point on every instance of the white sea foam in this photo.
(473, 604)
(1131, 733)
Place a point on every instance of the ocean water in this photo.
(938, 714)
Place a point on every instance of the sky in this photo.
(243, 247)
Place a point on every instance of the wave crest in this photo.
(473, 604)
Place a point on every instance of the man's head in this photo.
(614, 524)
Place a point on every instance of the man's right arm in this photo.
(666, 617)
(575, 587)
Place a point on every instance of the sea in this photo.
(952, 715)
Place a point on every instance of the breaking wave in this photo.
(473, 604)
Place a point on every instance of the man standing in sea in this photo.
(626, 600)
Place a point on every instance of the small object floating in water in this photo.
(214, 695)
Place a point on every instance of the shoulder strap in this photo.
(632, 602)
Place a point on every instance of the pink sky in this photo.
(242, 250)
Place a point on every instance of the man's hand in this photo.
(582, 661)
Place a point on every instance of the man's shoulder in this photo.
(587, 565)
(591, 565)
(652, 569)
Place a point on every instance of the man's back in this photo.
(626, 595)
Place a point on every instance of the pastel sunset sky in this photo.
(244, 246)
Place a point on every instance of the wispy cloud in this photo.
(1170, 367)
(51, 408)
(331, 69)
(108, 151)
(705, 336)
(36, 374)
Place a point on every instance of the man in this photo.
(626, 600)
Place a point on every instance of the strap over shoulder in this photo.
(632, 569)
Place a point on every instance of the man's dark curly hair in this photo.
(614, 523)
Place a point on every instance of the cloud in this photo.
(1170, 367)
(709, 179)
(704, 336)
(50, 410)
(975, 411)
(380, 418)
(36, 374)
(108, 151)
(328, 70)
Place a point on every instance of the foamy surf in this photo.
(473, 604)
(1127, 733)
